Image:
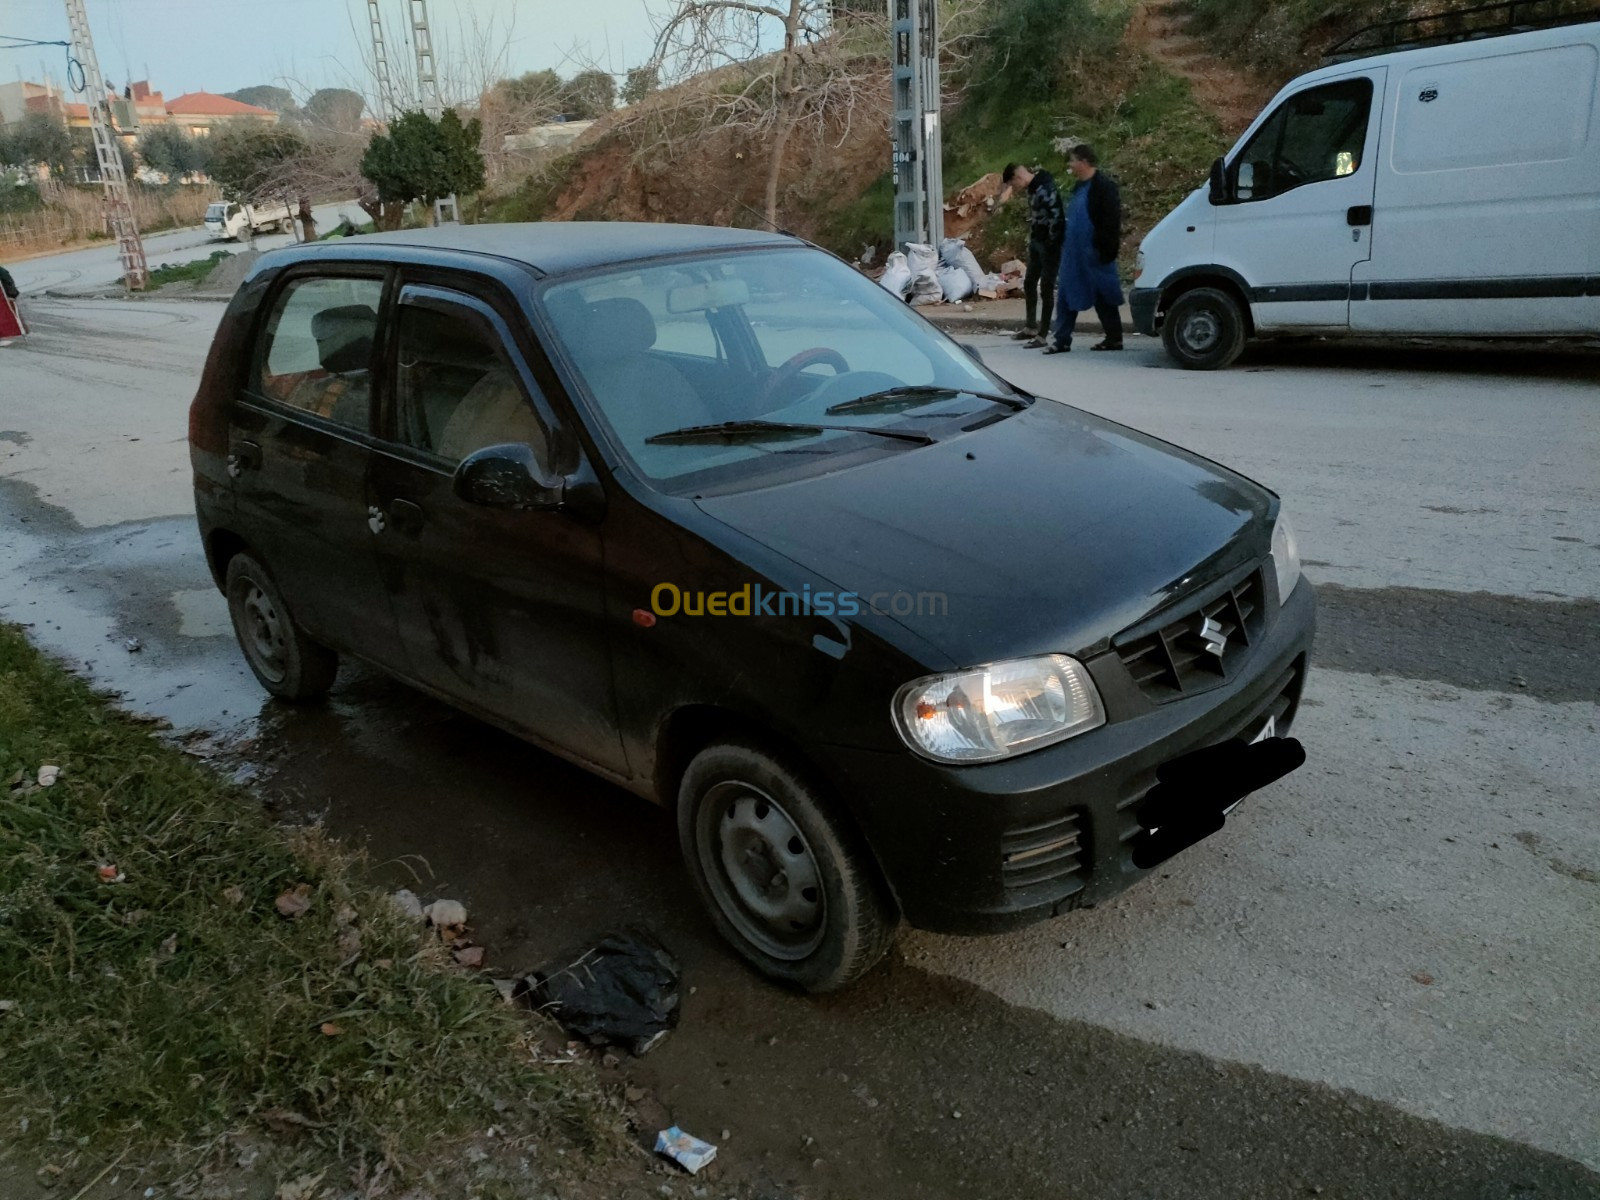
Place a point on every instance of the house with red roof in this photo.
(199, 114)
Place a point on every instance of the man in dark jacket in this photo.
(1047, 223)
(1089, 255)
(8, 284)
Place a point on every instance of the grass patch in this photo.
(534, 196)
(154, 999)
(196, 272)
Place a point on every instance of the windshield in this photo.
(215, 212)
(774, 336)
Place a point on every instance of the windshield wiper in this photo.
(914, 394)
(756, 430)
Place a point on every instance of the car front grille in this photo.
(1043, 852)
(1199, 650)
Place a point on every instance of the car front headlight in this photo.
(1138, 263)
(1285, 557)
(999, 710)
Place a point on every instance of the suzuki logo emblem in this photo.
(1211, 634)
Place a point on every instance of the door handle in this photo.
(245, 456)
(1359, 214)
(408, 518)
(375, 519)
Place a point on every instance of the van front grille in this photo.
(1199, 650)
(1041, 852)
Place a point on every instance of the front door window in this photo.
(1313, 136)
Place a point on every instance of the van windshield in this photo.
(763, 338)
(216, 212)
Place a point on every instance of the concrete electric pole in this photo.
(445, 210)
(918, 173)
(119, 208)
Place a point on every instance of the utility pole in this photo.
(918, 154)
(445, 210)
(380, 63)
(119, 208)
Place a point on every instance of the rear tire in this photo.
(786, 882)
(284, 658)
(1204, 330)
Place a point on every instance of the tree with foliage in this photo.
(168, 149)
(588, 95)
(38, 140)
(338, 109)
(423, 159)
(641, 81)
(265, 95)
(253, 165)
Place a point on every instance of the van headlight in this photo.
(1138, 263)
(1285, 557)
(999, 710)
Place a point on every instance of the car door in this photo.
(499, 609)
(1298, 212)
(299, 440)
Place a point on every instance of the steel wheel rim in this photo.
(762, 871)
(261, 631)
(1201, 331)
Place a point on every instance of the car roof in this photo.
(557, 247)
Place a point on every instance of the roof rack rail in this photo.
(1461, 25)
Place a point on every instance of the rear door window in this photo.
(316, 350)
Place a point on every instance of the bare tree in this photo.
(776, 70)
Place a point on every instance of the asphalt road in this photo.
(1379, 980)
(98, 267)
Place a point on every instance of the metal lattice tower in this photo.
(918, 153)
(428, 90)
(380, 62)
(119, 208)
(422, 39)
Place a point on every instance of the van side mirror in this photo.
(1219, 182)
(508, 477)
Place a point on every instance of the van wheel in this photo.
(287, 662)
(786, 882)
(1204, 329)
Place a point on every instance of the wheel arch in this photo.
(1225, 279)
(222, 547)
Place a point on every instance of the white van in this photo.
(1448, 190)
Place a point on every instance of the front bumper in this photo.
(988, 848)
(1143, 303)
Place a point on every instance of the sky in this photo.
(223, 45)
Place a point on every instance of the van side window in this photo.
(316, 351)
(1313, 136)
(457, 389)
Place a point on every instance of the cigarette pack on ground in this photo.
(688, 1152)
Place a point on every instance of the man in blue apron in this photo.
(1089, 256)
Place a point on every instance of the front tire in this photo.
(786, 882)
(284, 658)
(1204, 330)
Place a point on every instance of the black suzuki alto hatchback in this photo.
(713, 515)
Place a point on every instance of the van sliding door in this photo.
(1487, 218)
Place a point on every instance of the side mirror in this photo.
(507, 477)
(972, 350)
(1219, 182)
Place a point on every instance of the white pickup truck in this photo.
(227, 221)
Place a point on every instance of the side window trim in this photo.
(247, 389)
(444, 299)
(1375, 95)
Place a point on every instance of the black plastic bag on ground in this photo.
(621, 991)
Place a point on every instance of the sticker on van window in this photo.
(1428, 94)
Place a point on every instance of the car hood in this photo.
(1049, 531)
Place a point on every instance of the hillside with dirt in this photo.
(1159, 87)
